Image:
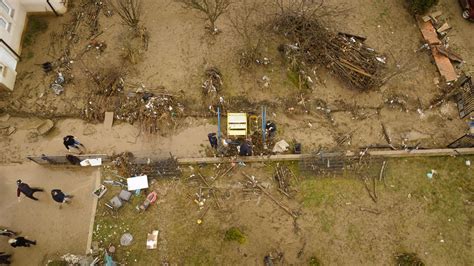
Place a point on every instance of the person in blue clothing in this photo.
(70, 142)
(26, 190)
(60, 197)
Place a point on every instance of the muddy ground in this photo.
(338, 223)
(180, 49)
(57, 231)
(416, 214)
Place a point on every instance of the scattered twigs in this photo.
(282, 176)
(387, 136)
(370, 210)
(381, 175)
(203, 179)
(372, 194)
(224, 173)
(257, 185)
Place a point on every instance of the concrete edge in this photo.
(93, 213)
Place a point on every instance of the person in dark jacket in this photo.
(245, 149)
(212, 140)
(74, 160)
(7, 232)
(21, 242)
(26, 189)
(270, 129)
(60, 197)
(5, 258)
(69, 141)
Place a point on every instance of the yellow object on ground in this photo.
(237, 124)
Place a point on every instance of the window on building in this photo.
(6, 7)
(3, 23)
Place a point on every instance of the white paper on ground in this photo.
(91, 162)
(137, 182)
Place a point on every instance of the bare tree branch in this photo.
(212, 9)
(128, 10)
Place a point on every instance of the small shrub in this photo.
(420, 6)
(408, 259)
(313, 261)
(234, 234)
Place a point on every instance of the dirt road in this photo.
(57, 231)
(97, 139)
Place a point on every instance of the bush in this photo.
(234, 234)
(420, 6)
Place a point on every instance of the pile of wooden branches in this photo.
(345, 55)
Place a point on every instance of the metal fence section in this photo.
(324, 163)
(61, 159)
(466, 141)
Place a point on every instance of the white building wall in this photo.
(42, 6)
(14, 34)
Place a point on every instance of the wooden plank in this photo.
(298, 157)
(286, 157)
(428, 32)
(109, 119)
(450, 54)
(444, 65)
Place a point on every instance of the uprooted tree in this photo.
(212, 9)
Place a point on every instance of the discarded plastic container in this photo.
(126, 239)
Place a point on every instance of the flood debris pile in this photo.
(346, 55)
(150, 110)
(127, 165)
(212, 84)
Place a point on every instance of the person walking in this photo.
(212, 140)
(7, 232)
(60, 197)
(21, 242)
(5, 258)
(69, 141)
(26, 189)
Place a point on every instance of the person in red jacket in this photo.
(26, 189)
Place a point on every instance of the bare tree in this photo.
(212, 9)
(128, 10)
(247, 22)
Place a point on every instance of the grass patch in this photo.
(234, 234)
(313, 261)
(408, 259)
(36, 25)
